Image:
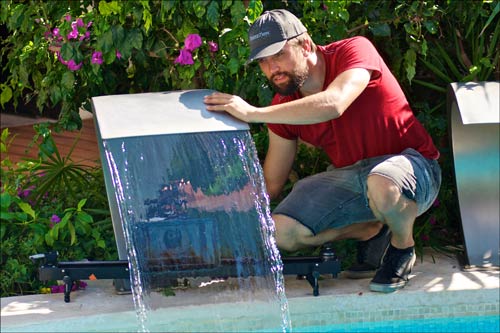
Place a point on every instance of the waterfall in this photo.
(196, 223)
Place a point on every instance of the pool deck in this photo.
(438, 287)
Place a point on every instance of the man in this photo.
(342, 98)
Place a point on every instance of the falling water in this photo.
(194, 208)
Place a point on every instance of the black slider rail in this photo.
(309, 268)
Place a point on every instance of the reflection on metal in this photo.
(474, 117)
(137, 115)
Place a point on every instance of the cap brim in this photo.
(266, 51)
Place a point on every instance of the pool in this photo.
(454, 324)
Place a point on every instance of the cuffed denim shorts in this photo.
(337, 197)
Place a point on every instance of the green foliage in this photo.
(138, 42)
(49, 206)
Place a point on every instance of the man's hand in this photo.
(232, 104)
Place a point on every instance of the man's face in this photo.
(286, 70)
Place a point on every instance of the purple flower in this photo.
(89, 24)
(118, 54)
(85, 36)
(60, 58)
(79, 22)
(73, 34)
(436, 203)
(212, 46)
(185, 58)
(57, 289)
(97, 57)
(72, 66)
(67, 17)
(55, 31)
(24, 193)
(433, 220)
(425, 238)
(192, 42)
(55, 219)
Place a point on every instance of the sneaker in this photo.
(393, 274)
(369, 255)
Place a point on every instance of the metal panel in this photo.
(474, 125)
(121, 116)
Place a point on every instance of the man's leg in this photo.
(393, 208)
(292, 235)
(398, 190)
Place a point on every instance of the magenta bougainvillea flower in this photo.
(185, 58)
(118, 54)
(212, 46)
(78, 23)
(60, 287)
(73, 34)
(73, 66)
(97, 57)
(192, 42)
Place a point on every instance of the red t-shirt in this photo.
(380, 121)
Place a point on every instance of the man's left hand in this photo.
(232, 104)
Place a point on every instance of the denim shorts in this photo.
(337, 197)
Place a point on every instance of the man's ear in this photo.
(306, 47)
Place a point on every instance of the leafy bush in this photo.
(49, 204)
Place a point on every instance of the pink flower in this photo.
(212, 46)
(97, 57)
(85, 36)
(185, 58)
(72, 66)
(89, 24)
(73, 34)
(433, 220)
(118, 54)
(192, 42)
(60, 58)
(79, 22)
(67, 17)
(55, 31)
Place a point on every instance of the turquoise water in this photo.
(456, 324)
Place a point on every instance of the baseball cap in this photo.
(269, 33)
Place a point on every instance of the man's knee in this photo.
(290, 234)
(383, 194)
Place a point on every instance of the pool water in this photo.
(456, 324)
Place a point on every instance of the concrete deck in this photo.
(438, 287)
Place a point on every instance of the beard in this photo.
(295, 81)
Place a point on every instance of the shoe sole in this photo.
(387, 288)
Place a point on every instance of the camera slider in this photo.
(70, 271)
